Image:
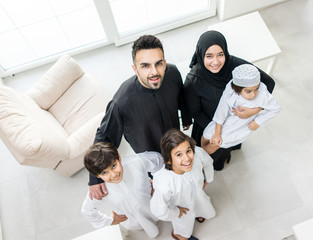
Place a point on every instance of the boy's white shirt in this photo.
(172, 190)
(130, 196)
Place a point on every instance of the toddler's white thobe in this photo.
(234, 129)
(130, 197)
(173, 190)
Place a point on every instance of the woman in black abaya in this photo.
(211, 69)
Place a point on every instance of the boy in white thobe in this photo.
(183, 190)
(129, 190)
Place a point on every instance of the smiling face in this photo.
(249, 93)
(182, 158)
(214, 59)
(114, 173)
(149, 65)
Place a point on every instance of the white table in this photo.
(0, 231)
(110, 232)
(249, 38)
(304, 230)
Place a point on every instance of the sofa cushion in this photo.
(32, 131)
(85, 99)
(55, 82)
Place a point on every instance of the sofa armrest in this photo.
(32, 132)
(55, 82)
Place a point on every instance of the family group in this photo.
(225, 98)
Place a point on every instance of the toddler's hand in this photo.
(118, 218)
(216, 139)
(182, 211)
(253, 126)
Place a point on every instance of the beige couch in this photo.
(54, 123)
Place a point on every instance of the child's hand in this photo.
(118, 218)
(152, 189)
(216, 139)
(253, 126)
(182, 211)
(204, 184)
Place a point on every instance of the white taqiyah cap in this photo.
(246, 75)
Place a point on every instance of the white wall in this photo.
(232, 8)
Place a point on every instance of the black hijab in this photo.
(198, 69)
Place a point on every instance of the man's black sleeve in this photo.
(111, 130)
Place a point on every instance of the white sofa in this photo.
(54, 123)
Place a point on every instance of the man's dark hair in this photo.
(99, 157)
(237, 89)
(146, 42)
(170, 140)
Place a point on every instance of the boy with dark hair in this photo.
(128, 185)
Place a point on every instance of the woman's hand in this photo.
(244, 112)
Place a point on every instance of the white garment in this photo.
(234, 129)
(130, 197)
(173, 190)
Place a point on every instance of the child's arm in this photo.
(216, 138)
(270, 106)
(207, 164)
(159, 203)
(222, 109)
(153, 161)
(91, 214)
(204, 142)
(219, 117)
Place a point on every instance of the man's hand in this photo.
(185, 128)
(253, 126)
(244, 112)
(118, 218)
(182, 211)
(98, 191)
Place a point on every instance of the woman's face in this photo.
(214, 58)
